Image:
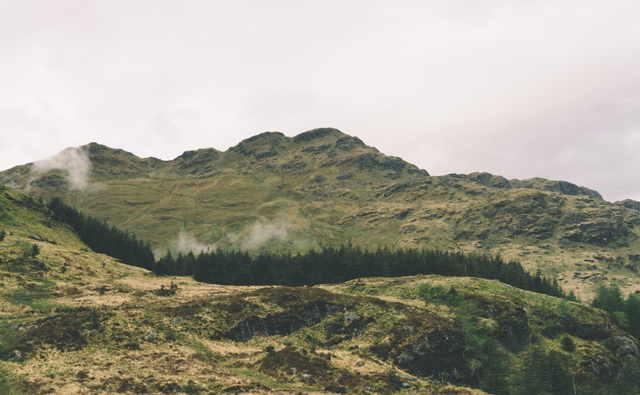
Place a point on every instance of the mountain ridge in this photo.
(75, 321)
(325, 188)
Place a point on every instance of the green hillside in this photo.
(324, 188)
(76, 322)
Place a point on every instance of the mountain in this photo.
(74, 321)
(325, 188)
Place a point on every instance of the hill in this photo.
(74, 321)
(324, 188)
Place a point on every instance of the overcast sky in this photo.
(516, 88)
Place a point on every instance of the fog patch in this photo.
(11, 184)
(185, 243)
(260, 234)
(264, 232)
(74, 160)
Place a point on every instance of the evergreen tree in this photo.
(494, 376)
(104, 239)
(560, 377)
(609, 298)
(632, 308)
(270, 277)
(567, 344)
(164, 265)
(35, 250)
(535, 375)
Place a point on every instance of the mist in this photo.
(264, 232)
(73, 160)
(185, 243)
(260, 234)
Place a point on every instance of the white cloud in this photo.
(260, 234)
(520, 89)
(73, 160)
(264, 232)
(185, 243)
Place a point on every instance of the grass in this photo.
(203, 354)
(218, 197)
(92, 341)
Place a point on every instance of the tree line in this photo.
(104, 239)
(331, 265)
(334, 265)
(626, 312)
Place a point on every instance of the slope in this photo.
(324, 188)
(78, 322)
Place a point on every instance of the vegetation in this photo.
(627, 383)
(626, 312)
(328, 266)
(102, 238)
(323, 188)
(568, 344)
(331, 320)
(171, 291)
(346, 263)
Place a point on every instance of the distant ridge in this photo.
(325, 188)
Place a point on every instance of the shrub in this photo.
(191, 388)
(621, 319)
(35, 250)
(567, 344)
(172, 290)
(392, 376)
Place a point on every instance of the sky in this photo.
(544, 88)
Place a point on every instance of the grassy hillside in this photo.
(74, 321)
(325, 188)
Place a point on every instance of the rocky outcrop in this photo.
(630, 204)
(316, 134)
(439, 351)
(599, 232)
(593, 332)
(281, 324)
(625, 348)
(604, 367)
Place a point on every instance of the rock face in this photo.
(440, 351)
(625, 348)
(630, 204)
(323, 188)
(281, 324)
(604, 367)
(594, 332)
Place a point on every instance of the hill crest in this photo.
(325, 188)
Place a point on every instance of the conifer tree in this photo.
(632, 308)
(609, 298)
(535, 375)
(494, 377)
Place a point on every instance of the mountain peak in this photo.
(318, 133)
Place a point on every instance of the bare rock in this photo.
(624, 346)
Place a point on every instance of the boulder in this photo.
(624, 346)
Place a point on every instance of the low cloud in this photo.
(264, 232)
(186, 243)
(251, 237)
(74, 160)
(259, 234)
